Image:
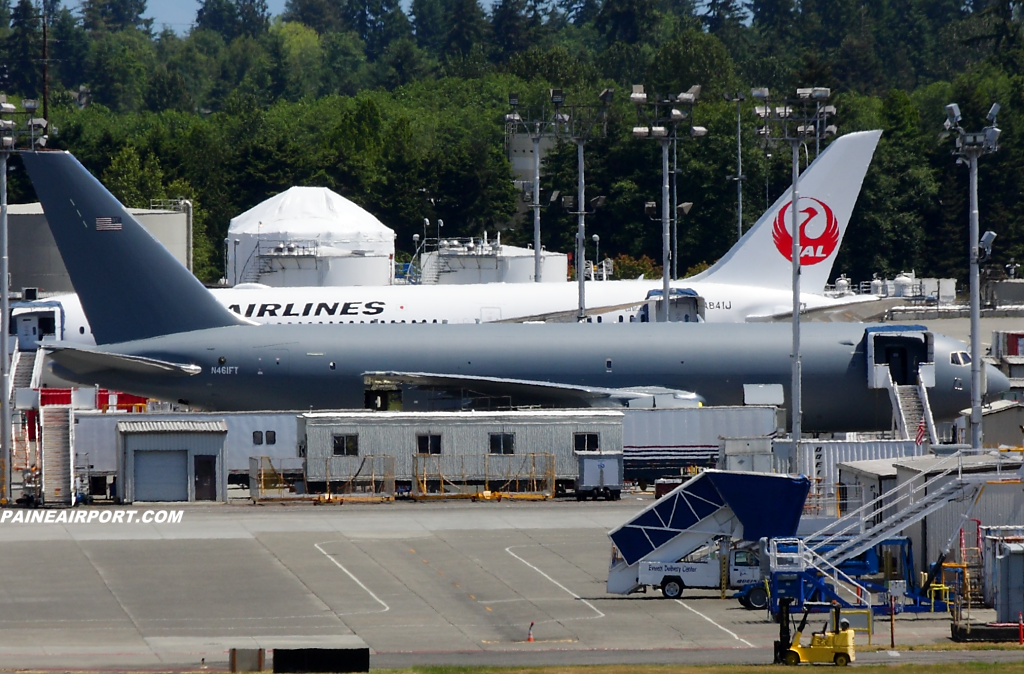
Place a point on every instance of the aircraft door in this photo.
(28, 332)
(896, 356)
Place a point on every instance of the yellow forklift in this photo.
(827, 646)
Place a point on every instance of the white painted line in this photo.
(727, 631)
(563, 587)
(352, 576)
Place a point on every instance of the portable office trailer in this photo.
(403, 434)
(171, 460)
(659, 442)
(819, 459)
(1009, 582)
(249, 434)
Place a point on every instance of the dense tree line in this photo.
(402, 111)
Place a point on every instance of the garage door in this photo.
(161, 476)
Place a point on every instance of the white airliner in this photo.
(751, 282)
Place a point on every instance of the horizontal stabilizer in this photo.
(84, 362)
(526, 391)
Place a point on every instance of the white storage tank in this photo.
(309, 236)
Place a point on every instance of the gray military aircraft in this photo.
(163, 335)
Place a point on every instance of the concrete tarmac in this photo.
(421, 583)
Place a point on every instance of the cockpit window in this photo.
(960, 358)
(965, 358)
(954, 358)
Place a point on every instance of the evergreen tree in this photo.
(428, 17)
(467, 27)
(253, 17)
(220, 16)
(722, 15)
(323, 16)
(24, 47)
(626, 21)
(114, 15)
(69, 49)
(513, 27)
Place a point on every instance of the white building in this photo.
(309, 236)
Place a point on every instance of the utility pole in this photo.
(969, 147)
(738, 99)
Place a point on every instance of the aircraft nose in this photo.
(995, 381)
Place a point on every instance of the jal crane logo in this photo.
(819, 232)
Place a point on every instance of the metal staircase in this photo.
(910, 410)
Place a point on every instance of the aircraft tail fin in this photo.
(130, 286)
(828, 193)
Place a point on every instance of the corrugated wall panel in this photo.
(690, 434)
(818, 459)
(200, 443)
(56, 450)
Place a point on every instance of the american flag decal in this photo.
(108, 224)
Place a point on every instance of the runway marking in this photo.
(563, 587)
(352, 576)
(727, 631)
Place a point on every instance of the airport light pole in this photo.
(969, 147)
(579, 123)
(738, 99)
(796, 121)
(537, 124)
(659, 120)
(9, 131)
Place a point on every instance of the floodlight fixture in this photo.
(829, 110)
(416, 238)
(598, 202)
(760, 93)
(7, 107)
(830, 130)
(762, 111)
(651, 209)
(694, 91)
(36, 123)
(992, 138)
(821, 92)
(974, 139)
(638, 96)
(985, 245)
(764, 131)
(513, 117)
(783, 111)
(513, 100)
(698, 131)
(8, 141)
(426, 222)
(677, 115)
(440, 222)
(7, 124)
(554, 196)
(30, 104)
(557, 97)
(41, 141)
(804, 92)
(684, 208)
(686, 98)
(595, 238)
(568, 202)
(606, 96)
(561, 118)
(734, 97)
(992, 112)
(953, 115)
(641, 131)
(659, 132)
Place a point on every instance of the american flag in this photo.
(921, 432)
(108, 224)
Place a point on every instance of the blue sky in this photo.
(179, 14)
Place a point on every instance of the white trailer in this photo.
(656, 546)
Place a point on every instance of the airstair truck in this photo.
(648, 549)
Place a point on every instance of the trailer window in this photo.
(503, 443)
(586, 442)
(428, 444)
(271, 437)
(257, 437)
(346, 445)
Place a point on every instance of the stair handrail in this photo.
(856, 517)
(15, 358)
(885, 526)
(809, 557)
(926, 409)
(897, 408)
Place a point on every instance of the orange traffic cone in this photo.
(529, 635)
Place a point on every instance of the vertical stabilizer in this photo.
(130, 286)
(828, 193)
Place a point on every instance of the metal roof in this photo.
(467, 414)
(872, 467)
(218, 426)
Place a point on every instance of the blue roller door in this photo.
(161, 475)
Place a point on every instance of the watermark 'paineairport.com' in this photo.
(97, 516)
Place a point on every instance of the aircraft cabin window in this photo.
(257, 437)
(346, 445)
(332, 365)
(586, 442)
(503, 443)
(428, 444)
(271, 437)
(81, 330)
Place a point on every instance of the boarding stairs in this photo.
(857, 531)
(21, 371)
(910, 406)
